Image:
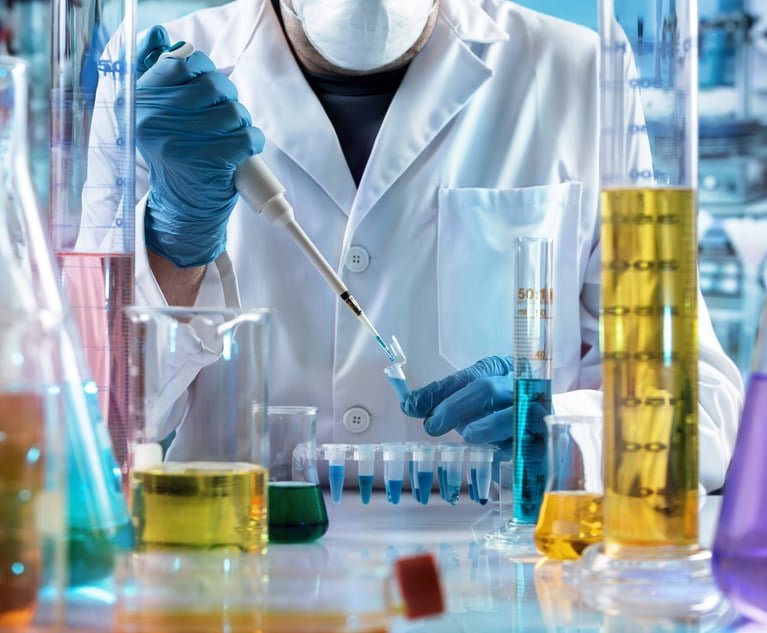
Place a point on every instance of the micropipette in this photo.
(265, 195)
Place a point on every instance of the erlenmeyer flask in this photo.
(32, 486)
(740, 554)
(98, 522)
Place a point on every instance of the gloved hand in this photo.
(477, 401)
(193, 134)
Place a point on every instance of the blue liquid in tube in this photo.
(336, 479)
(452, 493)
(413, 481)
(400, 386)
(366, 487)
(393, 490)
(481, 483)
(530, 448)
(442, 479)
(425, 480)
(472, 496)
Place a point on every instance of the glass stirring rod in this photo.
(259, 187)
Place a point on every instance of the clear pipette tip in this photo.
(379, 339)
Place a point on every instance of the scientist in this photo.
(416, 139)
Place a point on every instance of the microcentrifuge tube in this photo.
(394, 371)
(423, 460)
(411, 448)
(365, 454)
(335, 454)
(394, 470)
(450, 471)
(480, 469)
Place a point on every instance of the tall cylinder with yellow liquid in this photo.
(648, 171)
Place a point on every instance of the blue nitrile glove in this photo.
(193, 134)
(477, 401)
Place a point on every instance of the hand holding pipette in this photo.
(237, 142)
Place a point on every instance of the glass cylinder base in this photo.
(673, 583)
(514, 538)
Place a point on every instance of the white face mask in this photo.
(362, 35)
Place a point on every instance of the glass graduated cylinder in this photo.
(532, 372)
(92, 197)
(649, 341)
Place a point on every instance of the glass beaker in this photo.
(571, 514)
(198, 458)
(297, 512)
(740, 556)
(92, 194)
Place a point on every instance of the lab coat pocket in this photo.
(475, 266)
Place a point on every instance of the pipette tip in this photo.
(385, 347)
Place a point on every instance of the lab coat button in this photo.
(357, 259)
(356, 419)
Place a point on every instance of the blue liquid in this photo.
(366, 487)
(442, 479)
(99, 525)
(481, 484)
(385, 348)
(336, 478)
(413, 481)
(533, 401)
(425, 480)
(472, 496)
(400, 386)
(393, 490)
(452, 493)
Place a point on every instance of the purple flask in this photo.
(740, 547)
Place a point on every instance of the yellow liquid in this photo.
(201, 504)
(254, 621)
(568, 523)
(649, 345)
(21, 482)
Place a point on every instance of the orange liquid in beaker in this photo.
(568, 523)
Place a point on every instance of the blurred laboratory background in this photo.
(733, 138)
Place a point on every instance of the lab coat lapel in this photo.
(440, 81)
(272, 87)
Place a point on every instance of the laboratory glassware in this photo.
(365, 455)
(450, 471)
(198, 457)
(648, 316)
(93, 175)
(98, 524)
(393, 455)
(297, 512)
(32, 463)
(739, 552)
(571, 514)
(265, 195)
(336, 454)
(479, 471)
(299, 589)
(422, 470)
(395, 372)
(532, 372)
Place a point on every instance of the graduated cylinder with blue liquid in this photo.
(532, 373)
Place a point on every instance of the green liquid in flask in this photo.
(297, 512)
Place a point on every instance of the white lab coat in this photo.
(492, 134)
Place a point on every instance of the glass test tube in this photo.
(393, 455)
(532, 373)
(365, 455)
(449, 472)
(395, 372)
(648, 172)
(92, 214)
(336, 456)
(422, 475)
(480, 469)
